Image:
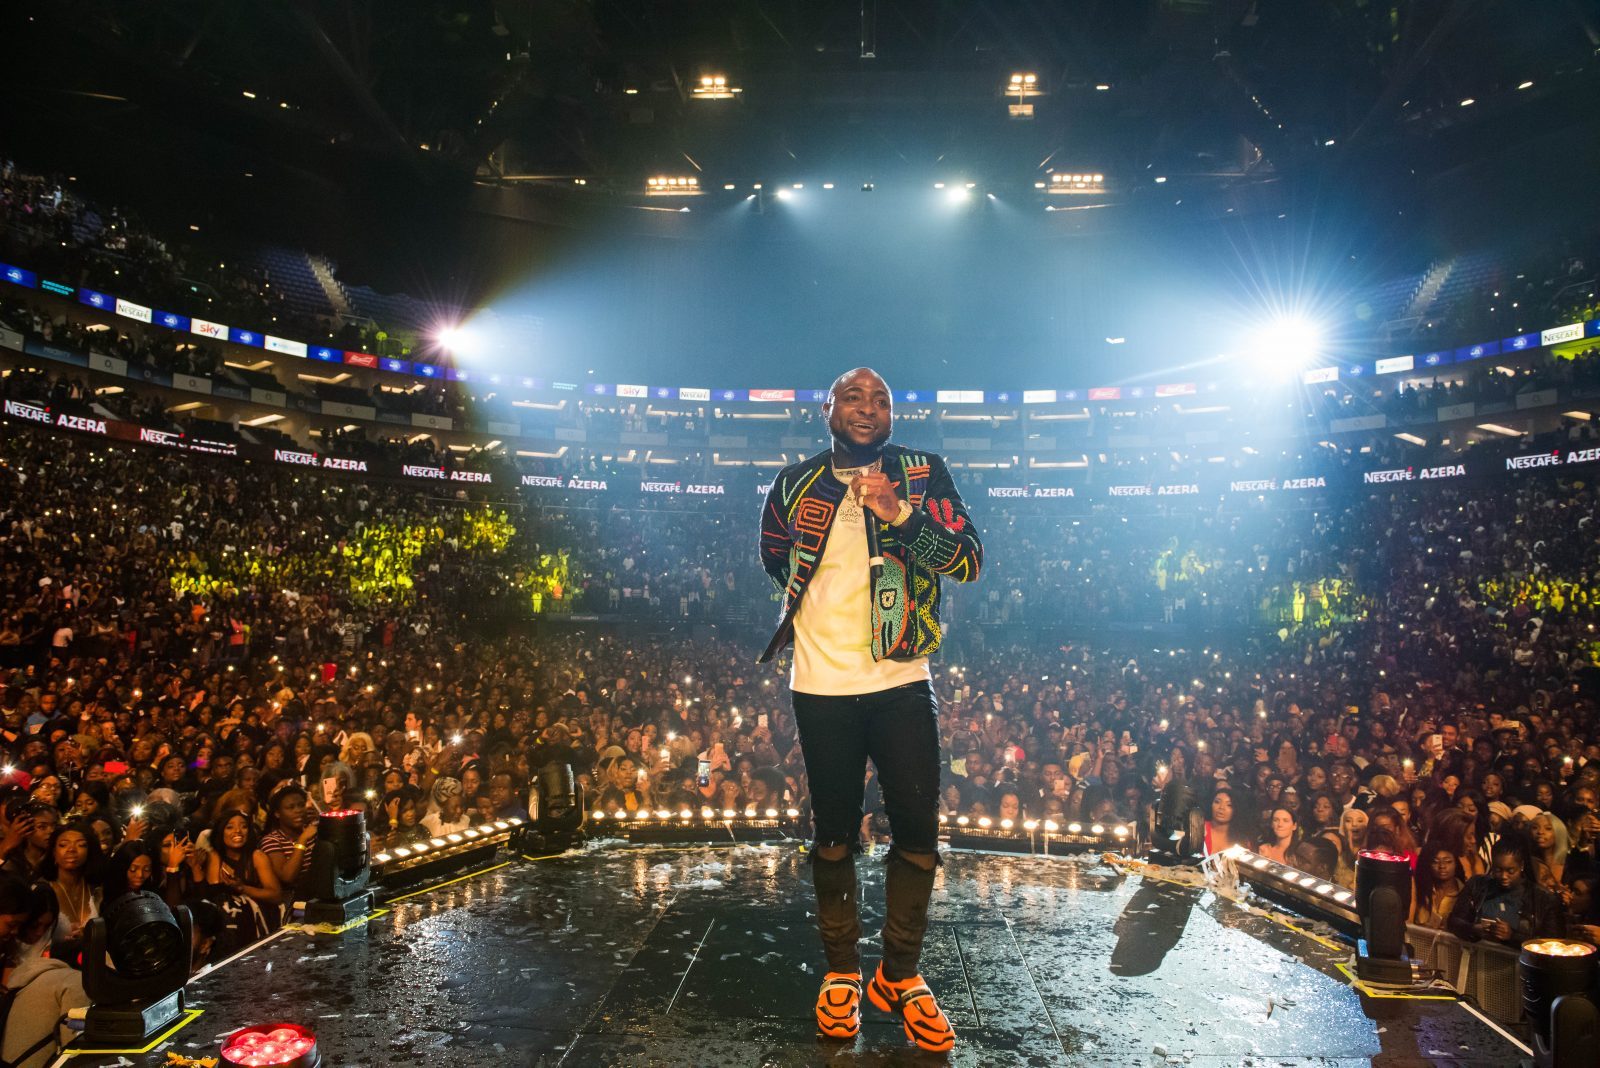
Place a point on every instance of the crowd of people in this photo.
(196, 659)
(192, 667)
(1419, 401)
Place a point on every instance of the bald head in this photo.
(865, 373)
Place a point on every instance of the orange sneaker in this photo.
(839, 1005)
(924, 1021)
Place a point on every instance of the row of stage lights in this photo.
(1021, 84)
(962, 832)
(622, 815)
(1059, 184)
(445, 845)
(985, 823)
(1320, 894)
(1120, 831)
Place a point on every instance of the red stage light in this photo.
(278, 1045)
(1391, 858)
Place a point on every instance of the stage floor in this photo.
(706, 956)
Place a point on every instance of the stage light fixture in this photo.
(1283, 346)
(1383, 901)
(338, 871)
(454, 339)
(1308, 892)
(1557, 979)
(664, 185)
(135, 965)
(785, 194)
(666, 826)
(280, 1045)
(1023, 84)
(713, 87)
(958, 194)
(867, 187)
(404, 864)
(1012, 836)
(1077, 183)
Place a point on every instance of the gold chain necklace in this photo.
(80, 912)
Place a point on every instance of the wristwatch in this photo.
(905, 513)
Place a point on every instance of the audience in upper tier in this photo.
(52, 227)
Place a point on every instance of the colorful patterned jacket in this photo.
(938, 539)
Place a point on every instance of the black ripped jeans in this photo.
(899, 730)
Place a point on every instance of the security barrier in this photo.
(1484, 973)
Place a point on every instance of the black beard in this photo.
(858, 455)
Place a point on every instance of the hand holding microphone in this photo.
(875, 493)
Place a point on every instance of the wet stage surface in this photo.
(707, 956)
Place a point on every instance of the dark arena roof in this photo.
(1234, 153)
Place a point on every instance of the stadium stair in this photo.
(332, 291)
(1428, 291)
(292, 272)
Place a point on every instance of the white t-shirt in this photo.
(437, 826)
(833, 628)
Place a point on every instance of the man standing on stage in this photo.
(862, 688)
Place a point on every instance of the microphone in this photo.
(874, 553)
